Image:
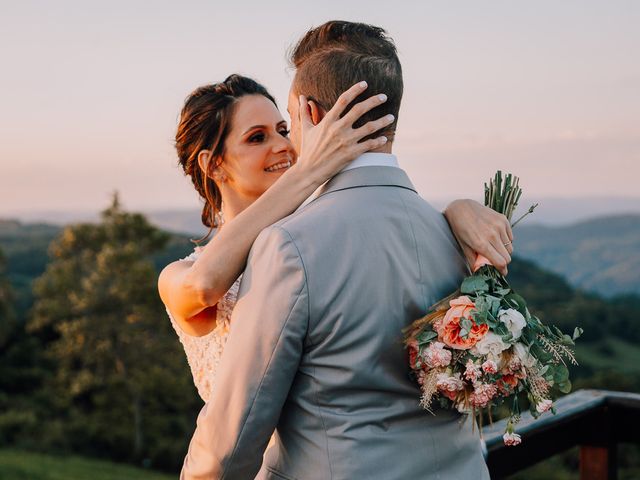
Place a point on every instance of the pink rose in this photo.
(472, 371)
(544, 405)
(482, 394)
(449, 383)
(511, 439)
(436, 355)
(489, 366)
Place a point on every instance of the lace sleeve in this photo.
(204, 353)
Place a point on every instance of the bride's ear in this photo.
(315, 111)
(209, 167)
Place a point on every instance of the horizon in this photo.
(551, 212)
(549, 92)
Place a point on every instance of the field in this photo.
(20, 465)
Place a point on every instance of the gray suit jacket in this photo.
(315, 349)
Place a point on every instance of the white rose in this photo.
(523, 354)
(491, 344)
(513, 320)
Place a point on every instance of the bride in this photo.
(233, 143)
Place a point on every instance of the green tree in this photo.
(7, 315)
(121, 386)
(20, 370)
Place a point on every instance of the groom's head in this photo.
(334, 56)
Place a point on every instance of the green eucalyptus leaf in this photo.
(473, 284)
(517, 301)
(565, 387)
(466, 324)
(561, 374)
(425, 336)
(567, 340)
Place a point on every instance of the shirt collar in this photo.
(373, 159)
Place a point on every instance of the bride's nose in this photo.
(282, 144)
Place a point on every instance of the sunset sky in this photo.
(91, 92)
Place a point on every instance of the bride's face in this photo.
(257, 149)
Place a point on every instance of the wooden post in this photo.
(598, 463)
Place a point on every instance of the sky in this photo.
(91, 92)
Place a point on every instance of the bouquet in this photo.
(481, 346)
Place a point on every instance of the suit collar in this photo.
(373, 176)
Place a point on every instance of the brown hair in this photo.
(334, 56)
(205, 122)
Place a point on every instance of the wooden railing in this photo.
(596, 420)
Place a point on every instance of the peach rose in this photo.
(412, 346)
(510, 380)
(449, 328)
(480, 261)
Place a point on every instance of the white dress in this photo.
(204, 353)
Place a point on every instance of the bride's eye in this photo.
(256, 138)
(284, 132)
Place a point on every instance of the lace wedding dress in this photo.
(204, 353)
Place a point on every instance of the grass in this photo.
(20, 465)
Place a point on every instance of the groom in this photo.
(315, 350)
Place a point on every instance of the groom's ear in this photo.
(315, 111)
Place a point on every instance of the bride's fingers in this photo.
(490, 251)
(501, 250)
(373, 126)
(345, 100)
(367, 145)
(508, 229)
(361, 108)
(502, 226)
(505, 240)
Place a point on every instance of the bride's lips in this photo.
(280, 166)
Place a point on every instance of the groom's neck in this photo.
(386, 148)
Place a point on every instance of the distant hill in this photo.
(600, 255)
(550, 212)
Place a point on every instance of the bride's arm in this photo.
(191, 290)
(481, 230)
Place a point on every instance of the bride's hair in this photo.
(205, 122)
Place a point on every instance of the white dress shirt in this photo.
(368, 159)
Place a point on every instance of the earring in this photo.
(219, 217)
(219, 176)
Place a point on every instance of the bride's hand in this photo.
(481, 231)
(329, 146)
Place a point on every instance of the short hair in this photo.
(334, 56)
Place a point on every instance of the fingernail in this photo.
(383, 140)
(363, 84)
(390, 118)
(382, 97)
